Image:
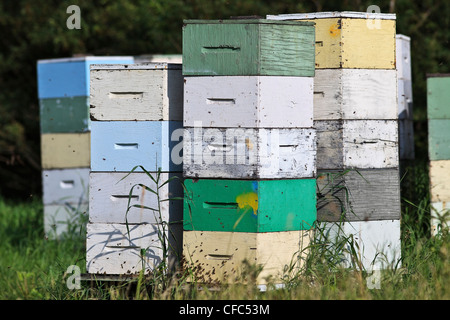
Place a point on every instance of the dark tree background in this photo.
(36, 29)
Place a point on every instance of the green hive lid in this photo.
(249, 21)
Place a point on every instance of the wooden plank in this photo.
(122, 145)
(249, 153)
(249, 206)
(403, 56)
(223, 256)
(69, 77)
(62, 218)
(377, 243)
(364, 144)
(333, 14)
(249, 101)
(439, 139)
(351, 40)
(110, 193)
(438, 96)
(110, 249)
(439, 173)
(147, 91)
(352, 94)
(358, 195)
(61, 186)
(64, 115)
(248, 47)
(65, 150)
(406, 139)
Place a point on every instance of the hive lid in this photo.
(333, 14)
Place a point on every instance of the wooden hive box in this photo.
(249, 101)
(65, 150)
(69, 77)
(122, 145)
(377, 244)
(64, 217)
(344, 144)
(245, 47)
(65, 186)
(357, 40)
(238, 153)
(146, 91)
(438, 96)
(223, 257)
(354, 195)
(249, 206)
(114, 249)
(355, 94)
(113, 192)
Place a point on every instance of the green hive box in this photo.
(248, 48)
(439, 139)
(61, 115)
(438, 96)
(250, 206)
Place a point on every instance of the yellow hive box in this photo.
(357, 40)
(65, 150)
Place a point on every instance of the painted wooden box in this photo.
(69, 77)
(356, 40)
(403, 56)
(61, 115)
(238, 153)
(358, 195)
(65, 185)
(112, 193)
(112, 250)
(438, 96)
(439, 173)
(249, 206)
(439, 139)
(440, 217)
(223, 257)
(249, 101)
(355, 94)
(62, 218)
(404, 99)
(377, 244)
(65, 150)
(248, 47)
(343, 144)
(147, 91)
(122, 145)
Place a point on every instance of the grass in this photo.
(33, 267)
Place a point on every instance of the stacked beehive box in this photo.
(249, 146)
(355, 115)
(136, 113)
(438, 110)
(63, 92)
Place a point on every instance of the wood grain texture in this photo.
(377, 243)
(61, 186)
(351, 41)
(249, 153)
(64, 115)
(111, 250)
(69, 77)
(144, 92)
(62, 218)
(248, 47)
(249, 206)
(350, 94)
(111, 191)
(219, 256)
(358, 195)
(439, 139)
(249, 101)
(438, 97)
(65, 150)
(357, 144)
(439, 173)
(122, 145)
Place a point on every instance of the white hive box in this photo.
(148, 91)
(249, 101)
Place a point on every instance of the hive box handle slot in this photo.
(127, 146)
(221, 49)
(221, 101)
(67, 184)
(126, 95)
(220, 205)
(212, 256)
(117, 197)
